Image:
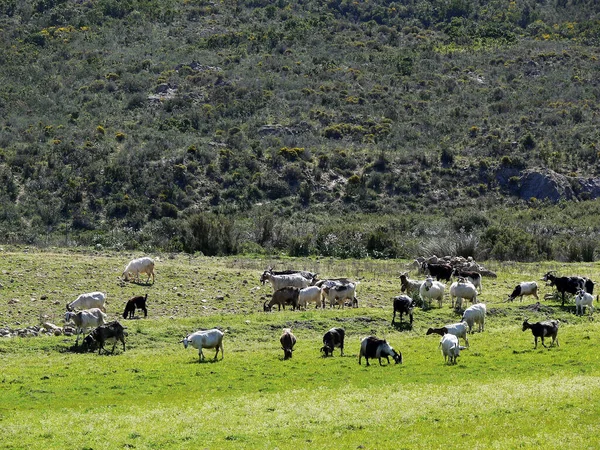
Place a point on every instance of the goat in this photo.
(462, 289)
(337, 294)
(524, 288)
(432, 290)
(548, 328)
(287, 340)
(473, 277)
(583, 299)
(438, 271)
(205, 339)
(403, 304)
(475, 315)
(88, 301)
(411, 287)
(137, 266)
(457, 329)
(284, 296)
(332, 339)
(372, 347)
(281, 281)
(310, 294)
(112, 331)
(569, 285)
(450, 348)
(134, 303)
(85, 319)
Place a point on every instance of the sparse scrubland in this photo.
(252, 126)
(501, 394)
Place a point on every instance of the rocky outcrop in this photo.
(457, 262)
(546, 184)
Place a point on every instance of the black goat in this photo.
(134, 303)
(112, 331)
(569, 285)
(403, 304)
(473, 277)
(544, 329)
(439, 271)
(333, 338)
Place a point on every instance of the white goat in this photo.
(337, 294)
(450, 348)
(205, 339)
(583, 299)
(310, 294)
(88, 318)
(524, 288)
(457, 329)
(88, 301)
(475, 315)
(462, 289)
(432, 290)
(281, 281)
(137, 266)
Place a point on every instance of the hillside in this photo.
(335, 128)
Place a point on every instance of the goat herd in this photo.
(298, 289)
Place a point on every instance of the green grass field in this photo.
(501, 394)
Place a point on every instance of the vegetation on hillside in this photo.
(336, 128)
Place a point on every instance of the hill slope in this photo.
(122, 120)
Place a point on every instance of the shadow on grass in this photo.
(402, 326)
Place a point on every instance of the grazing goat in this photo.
(284, 296)
(456, 329)
(337, 294)
(134, 303)
(583, 299)
(281, 281)
(475, 315)
(332, 339)
(473, 277)
(450, 348)
(462, 289)
(85, 319)
(371, 347)
(205, 339)
(287, 340)
(88, 301)
(432, 290)
(524, 288)
(411, 287)
(548, 328)
(310, 294)
(403, 304)
(569, 285)
(438, 271)
(113, 331)
(137, 266)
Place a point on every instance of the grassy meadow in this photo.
(501, 394)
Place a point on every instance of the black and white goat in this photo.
(372, 347)
(524, 288)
